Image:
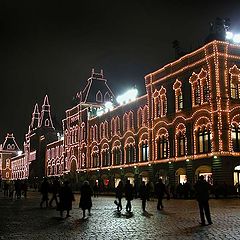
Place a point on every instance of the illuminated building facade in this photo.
(186, 125)
(8, 150)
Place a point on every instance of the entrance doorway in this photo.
(206, 172)
(236, 175)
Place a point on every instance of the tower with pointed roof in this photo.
(41, 132)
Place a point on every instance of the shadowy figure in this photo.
(17, 185)
(95, 190)
(119, 195)
(55, 190)
(44, 188)
(160, 190)
(86, 198)
(5, 189)
(202, 195)
(129, 195)
(24, 188)
(144, 194)
(66, 198)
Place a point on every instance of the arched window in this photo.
(130, 119)
(205, 93)
(144, 152)
(236, 138)
(204, 140)
(139, 118)
(162, 147)
(197, 94)
(95, 159)
(234, 81)
(99, 97)
(130, 154)
(107, 97)
(125, 122)
(113, 129)
(117, 156)
(46, 123)
(106, 161)
(181, 144)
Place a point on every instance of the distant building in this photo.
(31, 164)
(8, 150)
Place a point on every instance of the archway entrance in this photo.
(181, 175)
(205, 171)
(236, 175)
(73, 177)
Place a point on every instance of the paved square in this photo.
(23, 219)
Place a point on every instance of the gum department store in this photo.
(187, 124)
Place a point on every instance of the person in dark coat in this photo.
(55, 191)
(119, 195)
(143, 194)
(129, 195)
(86, 198)
(160, 190)
(202, 188)
(66, 198)
(44, 191)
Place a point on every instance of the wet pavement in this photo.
(23, 219)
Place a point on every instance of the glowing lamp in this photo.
(229, 35)
(108, 106)
(19, 153)
(128, 96)
(236, 38)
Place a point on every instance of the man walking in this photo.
(128, 195)
(160, 190)
(202, 196)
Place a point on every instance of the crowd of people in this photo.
(58, 194)
(63, 196)
(15, 189)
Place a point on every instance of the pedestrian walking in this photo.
(144, 194)
(160, 190)
(202, 188)
(129, 195)
(55, 190)
(96, 189)
(66, 198)
(119, 195)
(86, 198)
(17, 186)
(11, 190)
(44, 189)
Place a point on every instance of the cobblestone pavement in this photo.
(24, 220)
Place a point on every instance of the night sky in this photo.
(50, 47)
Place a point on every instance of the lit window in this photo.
(162, 147)
(181, 144)
(180, 102)
(130, 154)
(205, 93)
(117, 156)
(145, 152)
(197, 97)
(234, 91)
(236, 138)
(204, 141)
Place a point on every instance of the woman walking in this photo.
(86, 198)
(119, 195)
(65, 199)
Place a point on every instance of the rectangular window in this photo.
(180, 102)
(205, 93)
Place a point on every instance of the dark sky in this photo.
(49, 47)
